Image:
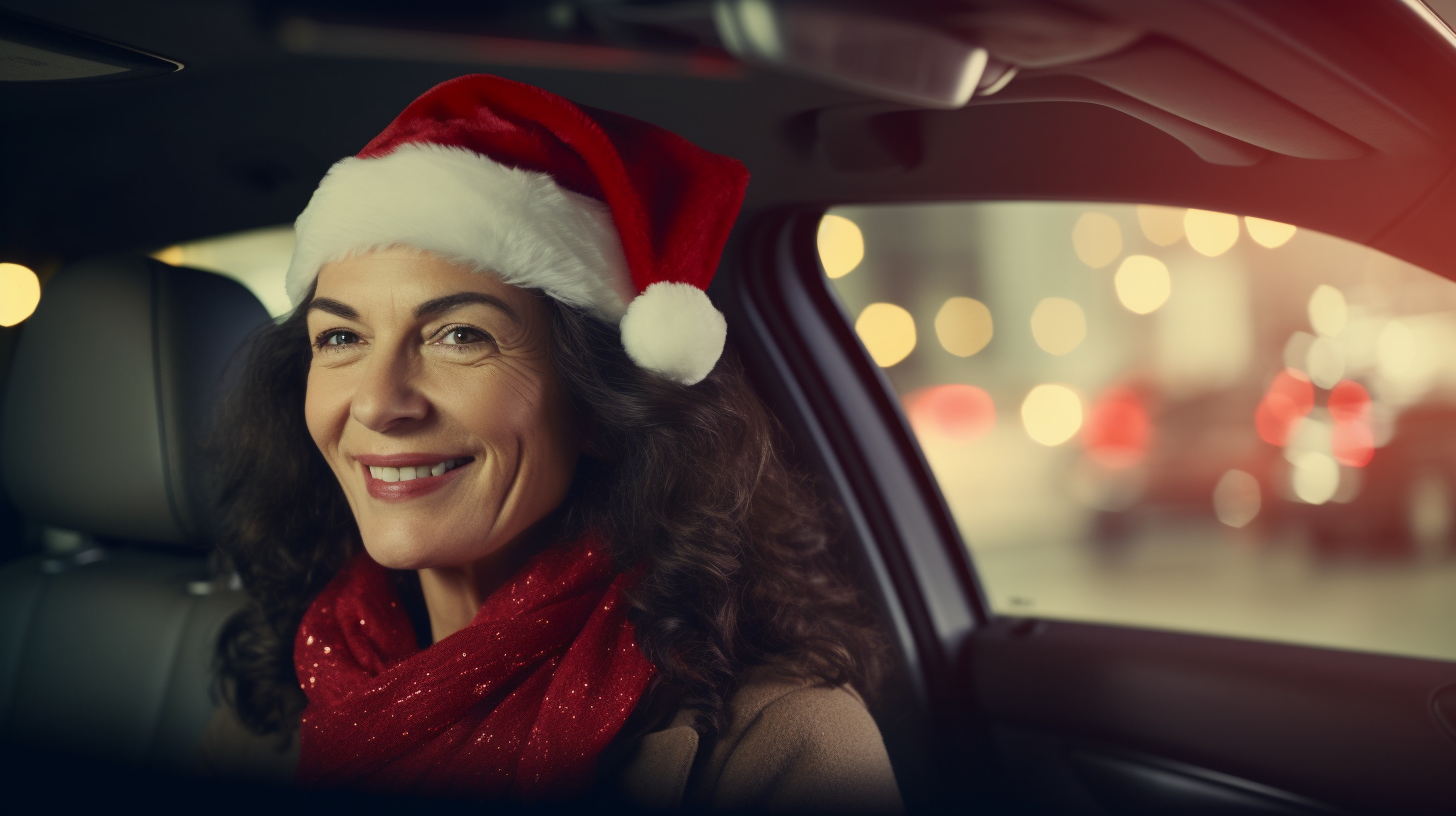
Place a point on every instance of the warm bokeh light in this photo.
(1289, 399)
(257, 258)
(1296, 350)
(1211, 233)
(963, 326)
(1052, 414)
(174, 255)
(1117, 428)
(1349, 401)
(19, 293)
(1403, 360)
(1325, 362)
(1315, 477)
(1161, 225)
(1271, 234)
(957, 412)
(888, 332)
(1236, 498)
(841, 245)
(1143, 283)
(1097, 238)
(1058, 325)
(1328, 310)
(1353, 438)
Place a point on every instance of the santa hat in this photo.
(600, 211)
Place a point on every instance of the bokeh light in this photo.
(1349, 401)
(1143, 283)
(1405, 363)
(1289, 399)
(1271, 234)
(1236, 498)
(888, 332)
(841, 245)
(19, 293)
(1353, 439)
(1328, 310)
(1325, 362)
(956, 411)
(1211, 233)
(1058, 325)
(1296, 350)
(1097, 239)
(1051, 414)
(1311, 434)
(1161, 225)
(1315, 477)
(963, 326)
(173, 255)
(1117, 429)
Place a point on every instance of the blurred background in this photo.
(1173, 418)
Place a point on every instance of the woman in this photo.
(509, 525)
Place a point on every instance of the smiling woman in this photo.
(422, 366)
(511, 520)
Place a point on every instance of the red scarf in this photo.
(518, 704)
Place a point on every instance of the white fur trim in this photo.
(673, 330)
(468, 208)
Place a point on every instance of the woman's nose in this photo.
(387, 394)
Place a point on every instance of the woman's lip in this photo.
(412, 489)
(398, 460)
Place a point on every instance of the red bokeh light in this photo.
(963, 413)
(1352, 441)
(1117, 429)
(1288, 400)
(1349, 400)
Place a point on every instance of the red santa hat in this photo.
(600, 211)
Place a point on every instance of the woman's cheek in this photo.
(324, 410)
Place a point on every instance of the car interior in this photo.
(134, 127)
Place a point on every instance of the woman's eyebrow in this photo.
(333, 307)
(444, 304)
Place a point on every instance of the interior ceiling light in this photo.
(883, 57)
(31, 51)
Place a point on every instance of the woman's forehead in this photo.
(404, 276)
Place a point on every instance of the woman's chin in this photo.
(406, 554)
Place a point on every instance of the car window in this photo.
(258, 259)
(1173, 418)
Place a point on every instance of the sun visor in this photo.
(31, 51)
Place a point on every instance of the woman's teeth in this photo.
(404, 474)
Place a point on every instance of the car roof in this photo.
(1330, 115)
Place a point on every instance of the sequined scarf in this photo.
(519, 704)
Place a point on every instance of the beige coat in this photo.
(789, 746)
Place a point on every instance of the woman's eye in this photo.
(462, 335)
(335, 338)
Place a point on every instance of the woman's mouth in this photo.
(403, 482)
(405, 474)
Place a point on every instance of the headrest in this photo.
(111, 389)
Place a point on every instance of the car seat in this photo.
(107, 634)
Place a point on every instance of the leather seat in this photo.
(107, 636)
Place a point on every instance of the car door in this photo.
(1030, 690)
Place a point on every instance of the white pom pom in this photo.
(673, 330)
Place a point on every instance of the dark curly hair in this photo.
(686, 481)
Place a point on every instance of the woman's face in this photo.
(432, 396)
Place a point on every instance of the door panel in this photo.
(1353, 730)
